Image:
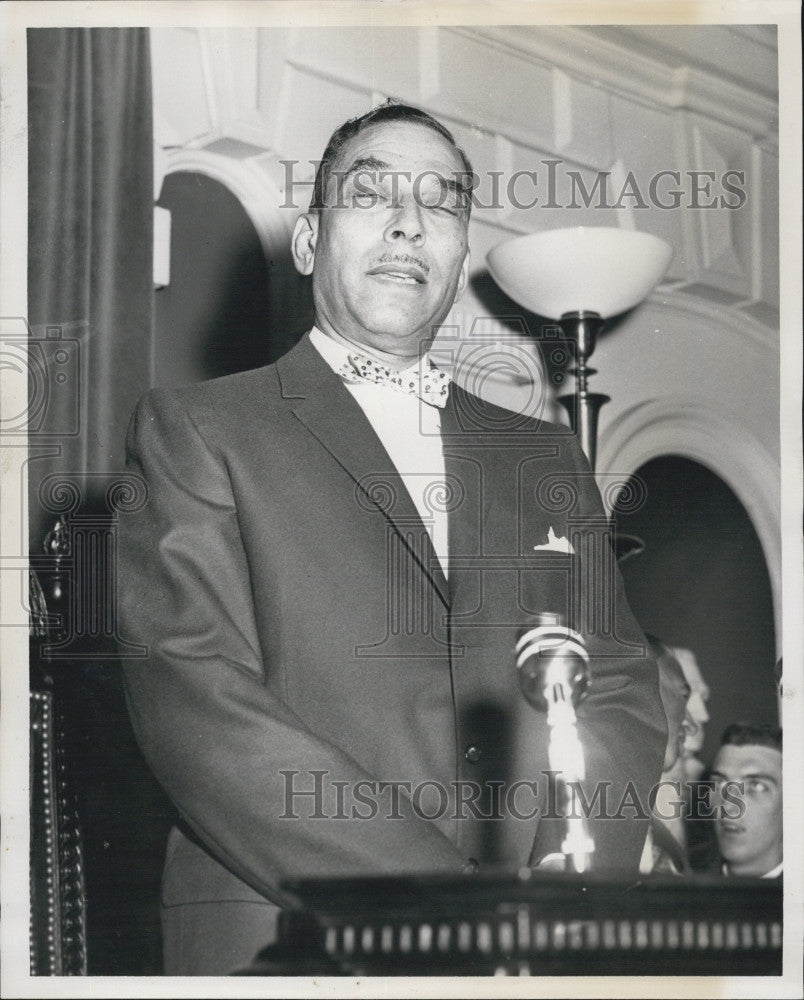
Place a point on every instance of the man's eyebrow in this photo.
(759, 776)
(460, 189)
(362, 163)
(456, 186)
(752, 776)
(457, 182)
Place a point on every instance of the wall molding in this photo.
(760, 337)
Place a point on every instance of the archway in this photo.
(702, 583)
(234, 300)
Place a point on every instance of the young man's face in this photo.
(750, 844)
(389, 253)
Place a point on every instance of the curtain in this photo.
(90, 217)
(90, 298)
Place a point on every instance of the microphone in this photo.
(552, 663)
(553, 667)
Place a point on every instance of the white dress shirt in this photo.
(773, 873)
(410, 431)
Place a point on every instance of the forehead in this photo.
(692, 672)
(403, 146)
(735, 761)
(671, 677)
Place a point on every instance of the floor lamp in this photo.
(581, 277)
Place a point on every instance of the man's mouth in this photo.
(404, 269)
(727, 828)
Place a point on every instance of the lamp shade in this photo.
(594, 269)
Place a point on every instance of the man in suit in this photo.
(331, 573)
(747, 799)
(664, 851)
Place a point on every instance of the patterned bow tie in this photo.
(431, 385)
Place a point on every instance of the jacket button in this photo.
(473, 753)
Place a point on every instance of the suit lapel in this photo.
(466, 518)
(328, 410)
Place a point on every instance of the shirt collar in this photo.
(335, 353)
(773, 873)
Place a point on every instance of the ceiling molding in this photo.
(626, 70)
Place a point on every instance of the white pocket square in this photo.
(555, 543)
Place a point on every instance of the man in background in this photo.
(664, 851)
(747, 798)
(697, 714)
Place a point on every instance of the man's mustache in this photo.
(404, 258)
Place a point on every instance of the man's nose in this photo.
(406, 223)
(696, 706)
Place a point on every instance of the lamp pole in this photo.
(583, 406)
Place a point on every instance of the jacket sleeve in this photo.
(621, 721)
(210, 727)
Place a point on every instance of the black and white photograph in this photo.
(401, 559)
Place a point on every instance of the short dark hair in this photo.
(741, 734)
(390, 111)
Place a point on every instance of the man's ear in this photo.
(464, 276)
(305, 235)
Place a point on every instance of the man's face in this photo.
(389, 253)
(674, 692)
(697, 714)
(750, 844)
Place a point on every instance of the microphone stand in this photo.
(553, 672)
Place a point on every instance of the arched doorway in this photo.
(702, 583)
(226, 308)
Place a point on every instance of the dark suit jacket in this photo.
(298, 622)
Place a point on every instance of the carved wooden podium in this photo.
(529, 924)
